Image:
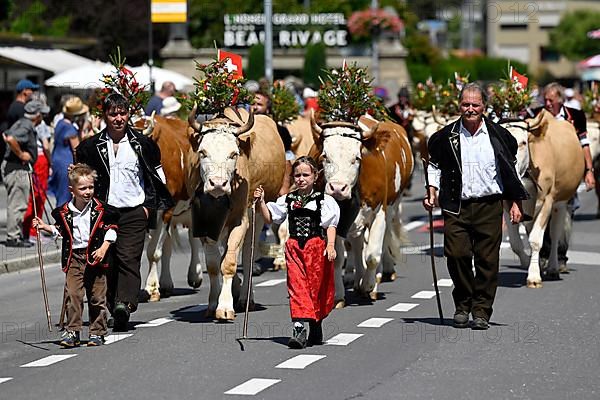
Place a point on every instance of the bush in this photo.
(256, 62)
(315, 61)
(477, 68)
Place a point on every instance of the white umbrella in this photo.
(85, 77)
(161, 75)
(592, 62)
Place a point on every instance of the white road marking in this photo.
(271, 282)
(115, 337)
(445, 282)
(155, 322)
(2, 380)
(44, 362)
(198, 308)
(414, 225)
(505, 245)
(402, 307)
(424, 294)
(374, 322)
(253, 386)
(300, 362)
(343, 339)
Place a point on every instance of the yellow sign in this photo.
(169, 11)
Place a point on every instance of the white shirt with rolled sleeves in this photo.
(478, 163)
(126, 176)
(81, 227)
(330, 211)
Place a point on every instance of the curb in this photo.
(18, 259)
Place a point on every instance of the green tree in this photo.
(315, 61)
(256, 62)
(570, 36)
(35, 20)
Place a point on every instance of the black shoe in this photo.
(298, 339)
(121, 316)
(110, 323)
(480, 324)
(315, 334)
(95, 340)
(256, 269)
(18, 243)
(70, 339)
(461, 319)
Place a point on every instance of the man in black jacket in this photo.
(471, 170)
(130, 178)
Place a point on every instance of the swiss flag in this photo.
(233, 64)
(522, 79)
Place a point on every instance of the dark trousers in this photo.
(474, 235)
(124, 279)
(90, 281)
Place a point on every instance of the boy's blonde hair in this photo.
(80, 170)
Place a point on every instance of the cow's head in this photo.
(217, 142)
(341, 145)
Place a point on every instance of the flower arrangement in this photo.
(591, 101)
(217, 89)
(443, 96)
(363, 24)
(283, 104)
(347, 94)
(509, 97)
(122, 81)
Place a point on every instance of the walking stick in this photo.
(435, 280)
(245, 335)
(63, 310)
(40, 258)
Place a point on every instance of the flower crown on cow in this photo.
(217, 88)
(347, 94)
(509, 96)
(284, 106)
(122, 81)
(443, 96)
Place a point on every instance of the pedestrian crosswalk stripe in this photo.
(253, 386)
(46, 361)
(424, 294)
(155, 322)
(402, 307)
(271, 282)
(374, 322)
(198, 308)
(414, 225)
(115, 337)
(300, 362)
(444, 282)
(2, 380)
(343, 339)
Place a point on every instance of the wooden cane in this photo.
(435, 280)
(249, 288)
(40, 258)
(63, 310)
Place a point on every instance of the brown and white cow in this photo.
(232, 155)
(374, 162)
(172, 137)
(557, 167)
(593, 133)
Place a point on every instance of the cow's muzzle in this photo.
(339, 191)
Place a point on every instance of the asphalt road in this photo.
(543, 343)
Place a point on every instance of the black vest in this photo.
(304, 223)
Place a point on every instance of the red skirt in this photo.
(310, 280)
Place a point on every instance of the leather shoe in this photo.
(480, 324)
(298, 339)
(461, 319)
(121, 316)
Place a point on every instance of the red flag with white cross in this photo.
(515, 76)
(233, 64)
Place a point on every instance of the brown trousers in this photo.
(473, 238)
(90, 281)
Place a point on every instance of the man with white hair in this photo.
(21, 154)
(156, 102)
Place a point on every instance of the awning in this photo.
(592, 62)
(86, 76)
(53, 60)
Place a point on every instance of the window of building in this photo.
(549, 55)
(513, 27)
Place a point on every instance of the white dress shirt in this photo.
(126, 179)
(82, 226)
(330, 211)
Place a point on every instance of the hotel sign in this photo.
(289, 30)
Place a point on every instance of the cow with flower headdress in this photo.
(367, 163)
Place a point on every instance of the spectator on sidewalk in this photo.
(21, 153)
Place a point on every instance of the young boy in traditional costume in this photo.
(309, 252)
(87, 229)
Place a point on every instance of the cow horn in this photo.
(248, 125)
(148, 130)
(434, 114)
(369, 134)
(313, 123)
(192, 119)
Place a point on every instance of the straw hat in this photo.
(74, 107)
(169, 105)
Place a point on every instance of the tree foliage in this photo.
(256, 62)
(315, 61)
(570, 36)
(35, 19)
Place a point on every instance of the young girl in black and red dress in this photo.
(309, 252)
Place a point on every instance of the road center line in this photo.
(2, 380)
(155, 322)
(46, 361)
(300, 362)
(444, 282)
(271, 282)
(343, 339)
(374, 322)
(115, 337)
(424, 294)
(253, 386)
(402, 307)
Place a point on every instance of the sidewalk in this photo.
(14, 258)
